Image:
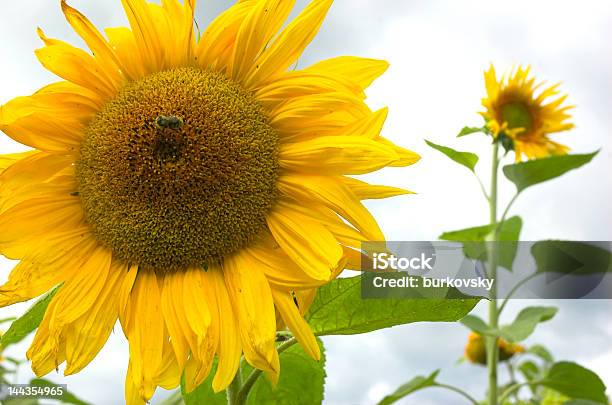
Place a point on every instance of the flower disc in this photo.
(178, 170)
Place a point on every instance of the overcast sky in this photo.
(438, 50)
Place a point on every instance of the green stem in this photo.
(234, 389)
(244, 390)
(458, 391)
(503, 217)
(492, 351)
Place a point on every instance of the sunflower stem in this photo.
(492, 352)
(233, 391)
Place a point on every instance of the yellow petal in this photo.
(279, 269)
(301, 330)
(252, 301)
(145, 23)
(230, 348)
(125, 47)
(178, 339)
(99, 46)
(195, 306)
(47, 352)
(33, 219)
(40, 126)
(365, 191)
(78, 294)
(132, 394)
(47, 265)
(9, 159)
(343, 232)
(169, 374)
(216, 45)
(308, 243)
(333, 193)
(298, 112)
(181, 19)
(369, 126)
(289, 44)
(337, 155)
(406, 157)
(88, 334)
(263, 20)
(76, 66)
(361, 71)
(298, 84)
(145, 333)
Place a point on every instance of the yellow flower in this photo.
(476, 351)
(513, 110)
(191, 187)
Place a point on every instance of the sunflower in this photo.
(476, 352)
(514, 112)
(195, 187)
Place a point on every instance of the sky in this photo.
(438, 50)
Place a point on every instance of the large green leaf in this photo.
(526, 174)
(301, 380)
(338, 309)
(569, 257)
(416, 384)
(525, 323)
(28, 322)
(467, 159)
(473, 240)
(576, 382)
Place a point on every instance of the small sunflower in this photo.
(191, 187)
(516, 113)
(476, 350)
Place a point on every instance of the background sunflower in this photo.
(419, 38)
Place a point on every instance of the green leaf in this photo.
(473, 240)
(581, 402)
(568, 257)
(541, 352)
(338, 309)
(67, 398)
(301, 380)
(526, 174)
(526, 322)
(467, 159)
(576, 382)
(477, 325)
(204, 393)
(470, 130)
(28, 322)
(416, 384)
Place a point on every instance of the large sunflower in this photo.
(514, 110)
(192, 187)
